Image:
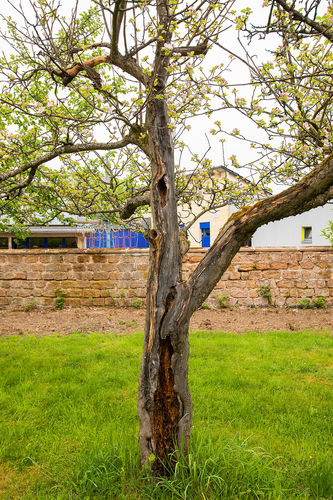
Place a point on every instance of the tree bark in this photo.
(164, 403)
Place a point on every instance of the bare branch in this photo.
(321, 29)
(68, 149)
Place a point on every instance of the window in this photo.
(18, 243)
(70, 242)
(307, 234)
(61, 242)
(37, 242)
(54, 242)
(46, 242)
(3, 242)
(205, 234)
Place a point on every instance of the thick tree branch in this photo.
(191, 49)
(126, 63)
(133, 204)
(321, 29)
(117, 18)
(74, 70)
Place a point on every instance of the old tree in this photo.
(93, 105)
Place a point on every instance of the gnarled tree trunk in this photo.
(164, 404)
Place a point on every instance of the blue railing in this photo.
(117, 239)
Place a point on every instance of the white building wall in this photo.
(288, 231)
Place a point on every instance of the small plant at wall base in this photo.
(112, 302)
(319, 303)
(137, 304)
(60, 298)
(223, 301)
(265, 291)
(304, 304)
(31, 305)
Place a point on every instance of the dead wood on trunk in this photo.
(166, 410)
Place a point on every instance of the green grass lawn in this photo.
(262, 418)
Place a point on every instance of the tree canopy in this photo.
(75, 89)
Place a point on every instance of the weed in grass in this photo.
(99, 475)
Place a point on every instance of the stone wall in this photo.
(118, 277)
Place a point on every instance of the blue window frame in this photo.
(205, 234)
(118, 239)
(45, 242)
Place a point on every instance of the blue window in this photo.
(205, 234)
(118, 239)
(45, 242)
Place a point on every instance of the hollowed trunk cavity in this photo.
(162, 190)
(166, 410)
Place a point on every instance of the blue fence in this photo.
(117, 239)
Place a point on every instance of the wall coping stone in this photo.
(143, 251)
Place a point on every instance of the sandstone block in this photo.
(307, 264)
(33, 275)
(271, 274)
(261, 266)
(286, 284)
(99, 258)
(279, 265)
(91, 293)
(30, 259)
(46, 258)
(323, 292)
(239, 292)
(326, 274)
(245, 267)
(233, 275)
(291, 274)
